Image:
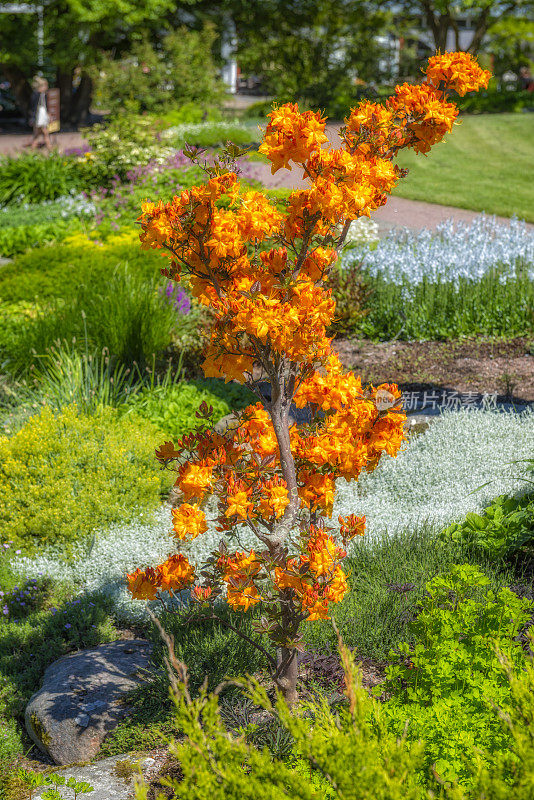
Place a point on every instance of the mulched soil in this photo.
(326, 671)
(469, 365)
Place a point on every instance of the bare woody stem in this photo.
(279, 413)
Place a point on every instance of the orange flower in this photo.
(195, 480)
(239, 505)
(243, 596)
(201, 594)
(240, 566)
(317, 491)
(176, 573)
(144, 584)
(188, 521)
(351, 526)
(292, 136)
(338, 586)
(275, 503)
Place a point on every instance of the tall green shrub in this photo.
(146, 79)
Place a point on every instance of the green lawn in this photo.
(485, 164)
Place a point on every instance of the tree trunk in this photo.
(74, 104)
(481, 28)
(64, 84)
(19, 86)
(82, 100)
(287, 673)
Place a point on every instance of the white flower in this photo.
(454, 251)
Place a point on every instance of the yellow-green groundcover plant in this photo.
(64, 474)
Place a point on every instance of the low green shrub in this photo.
(213, 653)
(62, 476)
(351, 294)
(349, 750)
(172, 407)
(125, 315)
(52, 625)
(125, 143)
(58, 271)
(91, 379)
(34, 178)
(440, 310)
(212, 134)
(493, 101)
(189, 113)
(36, 780)
(442, 686)
(121, 204)
(181, 70)
(504, 526)
(387, 577)
(20, 238)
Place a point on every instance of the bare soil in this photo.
(467, 365)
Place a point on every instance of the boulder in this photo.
(82, 699)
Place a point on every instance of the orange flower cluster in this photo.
(239, 572)
(292, 136)
(188, 521)
(417, 116)
(172, 576)
(460, 73)
(316, 577)
(263, 274)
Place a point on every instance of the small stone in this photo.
(106, 778)
(82, 720)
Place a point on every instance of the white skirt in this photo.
(42, 119)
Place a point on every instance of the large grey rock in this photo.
(112, 778)
(82, 699)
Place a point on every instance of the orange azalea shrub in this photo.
(263, 274)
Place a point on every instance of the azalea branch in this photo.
(271, 312)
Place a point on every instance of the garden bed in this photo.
(505, 368)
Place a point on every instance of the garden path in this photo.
(398, 212)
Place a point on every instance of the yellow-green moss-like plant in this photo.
(63, 475)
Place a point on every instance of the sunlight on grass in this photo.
(485, 164)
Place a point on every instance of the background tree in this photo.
(443, 17)
(148, 78)
(75, 34)
(305, 50)
(311, 50)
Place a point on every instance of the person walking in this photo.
(39, 117)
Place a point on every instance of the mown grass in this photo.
(485, 164)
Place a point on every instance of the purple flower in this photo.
(67, 626)
(177, 297)
(77, 151)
